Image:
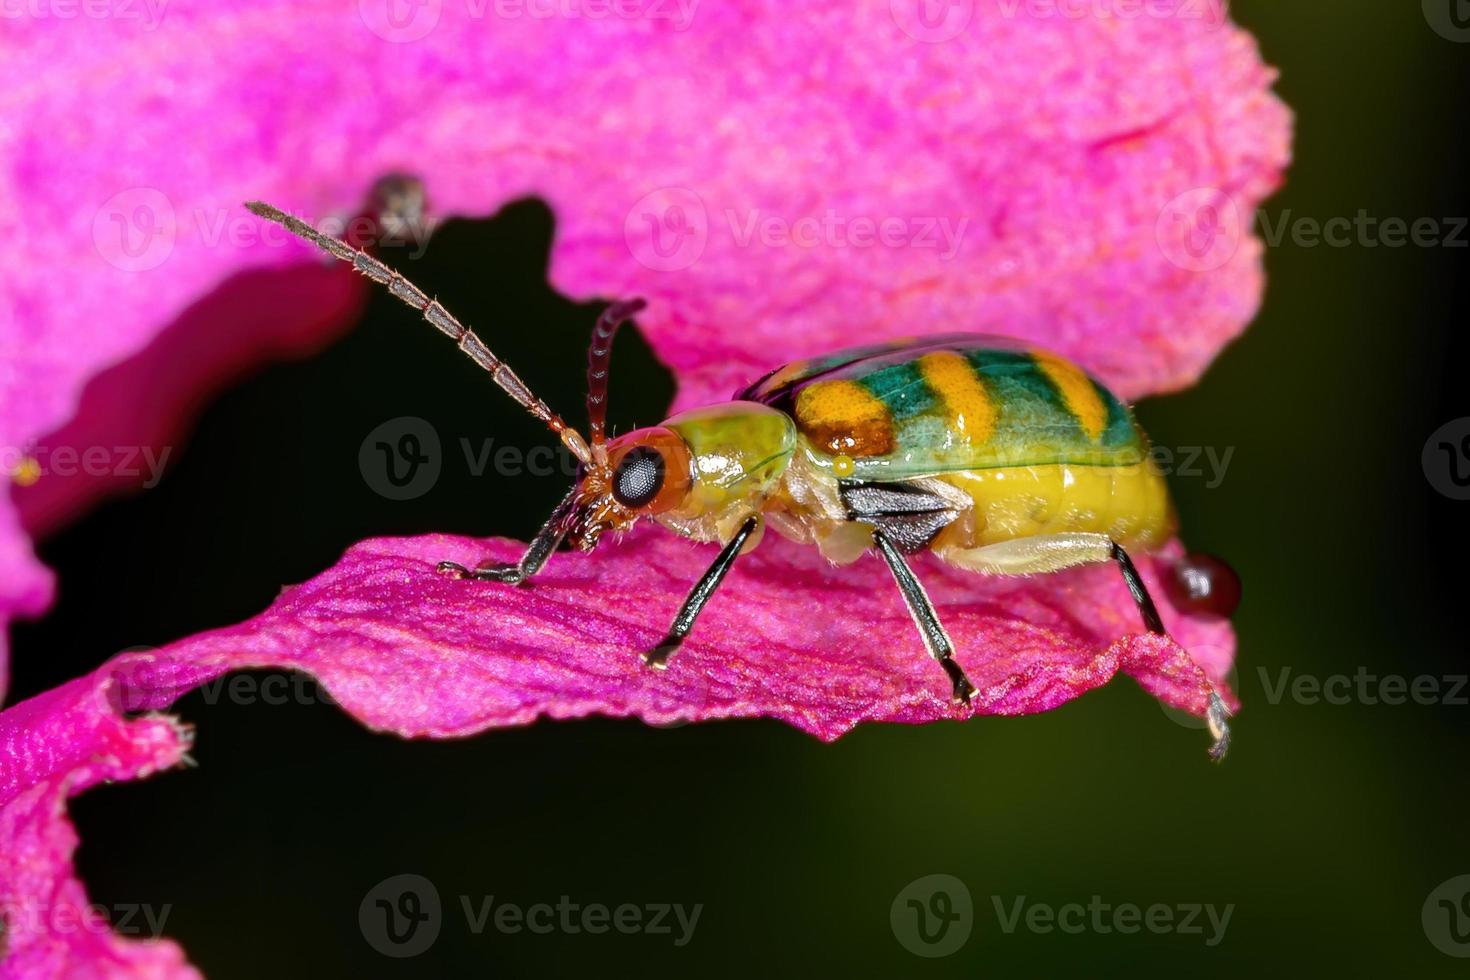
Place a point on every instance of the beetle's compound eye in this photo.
(650, 470)
(1204, 584)
(639, 477)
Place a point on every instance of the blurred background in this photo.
(1325, 834)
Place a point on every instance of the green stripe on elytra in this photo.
(902, 390)
(1018, 386)
(1028, 401)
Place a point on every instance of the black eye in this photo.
(639, 477)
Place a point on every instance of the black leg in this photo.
(1217, 715)
(1145, 601)
(936, 640)
(540, 548)
(689, 612)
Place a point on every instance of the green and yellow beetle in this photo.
(995, 456)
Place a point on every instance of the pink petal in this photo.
(409, 651)
(55, 746)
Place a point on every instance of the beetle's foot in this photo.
(962, 689)
(658, 657)
(490, 572)
(1217, 717)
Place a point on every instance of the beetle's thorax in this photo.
(738, 452)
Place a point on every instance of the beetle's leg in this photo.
(936, 640)
(1216, 715)
(540, 549)
(1054, 552)
(703, 589)
(1146, 607)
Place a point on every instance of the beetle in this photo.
(994, 455)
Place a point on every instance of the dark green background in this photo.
(1327, 828)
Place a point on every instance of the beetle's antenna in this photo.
(467, 340)
(599, 359)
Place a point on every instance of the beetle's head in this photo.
(642, 474)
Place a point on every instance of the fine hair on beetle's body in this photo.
(992, 455)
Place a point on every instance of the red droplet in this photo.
(1204, 584)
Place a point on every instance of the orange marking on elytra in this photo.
(844, 417)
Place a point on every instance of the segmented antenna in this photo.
(599, 359)
(437, 315)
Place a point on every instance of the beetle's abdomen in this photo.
(1130, 504)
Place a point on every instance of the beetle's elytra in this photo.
(997, 457)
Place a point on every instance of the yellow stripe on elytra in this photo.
(842, 416)
(1077, 390)
(953, 379)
